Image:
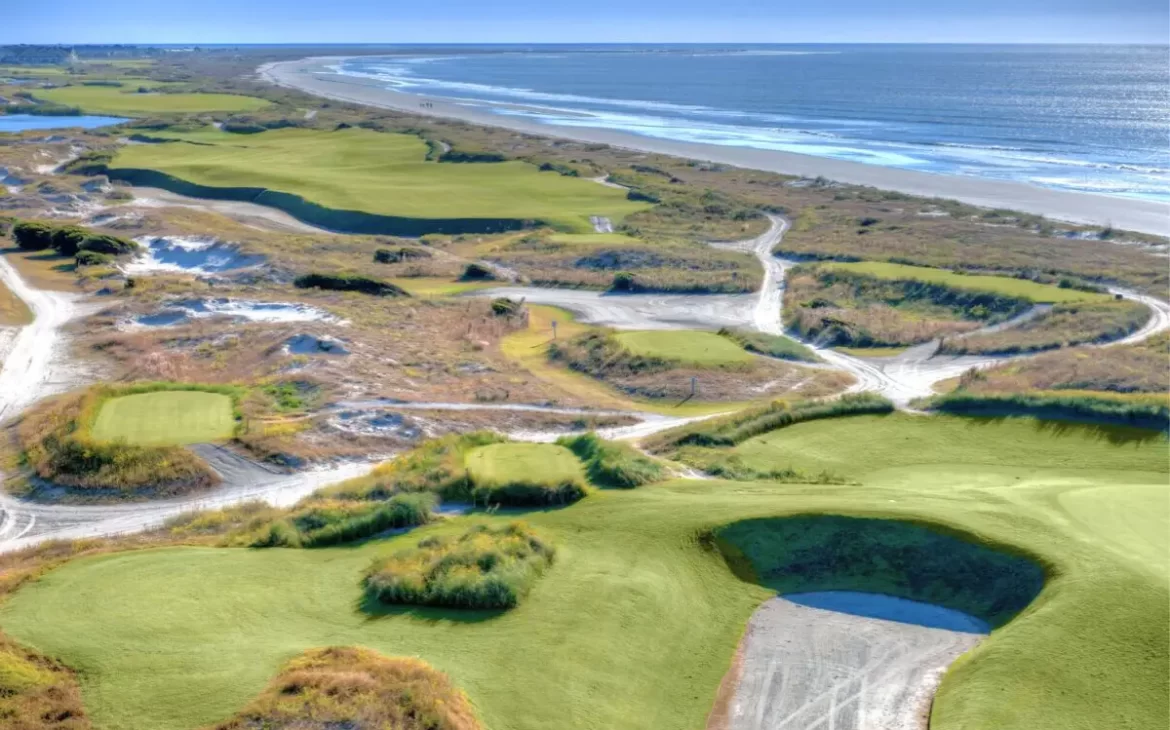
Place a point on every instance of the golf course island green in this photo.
(362, 181)
(352, 687)
(127, 440)
(486, 568)
(165, 418)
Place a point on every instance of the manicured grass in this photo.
(385, 174)
(436, 287)
(636, 622)
(126, 100)
(506, 463)
(689, 346)
(166, 417)
(1003, 285)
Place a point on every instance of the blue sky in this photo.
(567, 21)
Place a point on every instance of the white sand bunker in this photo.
(843, 660)
(379, 423)
(194, 255)
(239, 310)
(305, 344)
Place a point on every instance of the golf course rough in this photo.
(367, 182)
(356, 687)
(165, 418)
(1006, 286)
(128, 101)
(642, 616)
(486, 568)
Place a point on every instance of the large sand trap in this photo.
(185, 311)
(841, 661)
(191, 255)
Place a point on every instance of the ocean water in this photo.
(23, 122)
(1085, 118)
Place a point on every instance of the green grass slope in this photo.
(1002, 285)
(165, 418)
(636, 622)
(383, 174)
(688, 346)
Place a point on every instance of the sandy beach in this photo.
(314, 76)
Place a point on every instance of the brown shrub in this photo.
(352, 687)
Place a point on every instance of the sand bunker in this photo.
(239, 310)
(191, 255)
(843, 660)
(305, 344)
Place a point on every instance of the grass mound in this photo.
(165, 418)
(352, 687)
(612, 464)
(834, 553)
(37, 693)
(58, 444)
(331, 522)
(484, 568)
(705, 349)
(525, 474)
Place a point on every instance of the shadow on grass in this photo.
(375, 610)
(66, 263)
(1113, 433)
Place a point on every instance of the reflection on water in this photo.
(888, 608)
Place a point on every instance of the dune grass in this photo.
(385, 174)
(126, 101)
(13, 311)
(1002, 285)
(694, 347)
(486, 568)
(354, 687)
(165, 418)
(594, 239)
(636, 622)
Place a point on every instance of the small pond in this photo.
(13, 123)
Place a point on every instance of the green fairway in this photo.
(383, 174)
(636, 621)
(126, 100)
(689, 346)
(1003, 285)
(166, 417)
(504, 463)
(595, 239)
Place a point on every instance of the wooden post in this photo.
(694, 385)
(554, 326)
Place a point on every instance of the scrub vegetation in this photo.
(354, 687)
(1062, 326)
(663, 364)
(613, 463)
(486, 568)
(833, 306)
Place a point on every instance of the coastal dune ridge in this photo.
(319, 76)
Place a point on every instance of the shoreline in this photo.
(312, 76)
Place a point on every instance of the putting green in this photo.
(1005, 285)
(166, 417)
(127, 101)
(636, 621)
(690, 346)
(374, 172)
(516, 462)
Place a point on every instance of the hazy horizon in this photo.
(297, 22)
